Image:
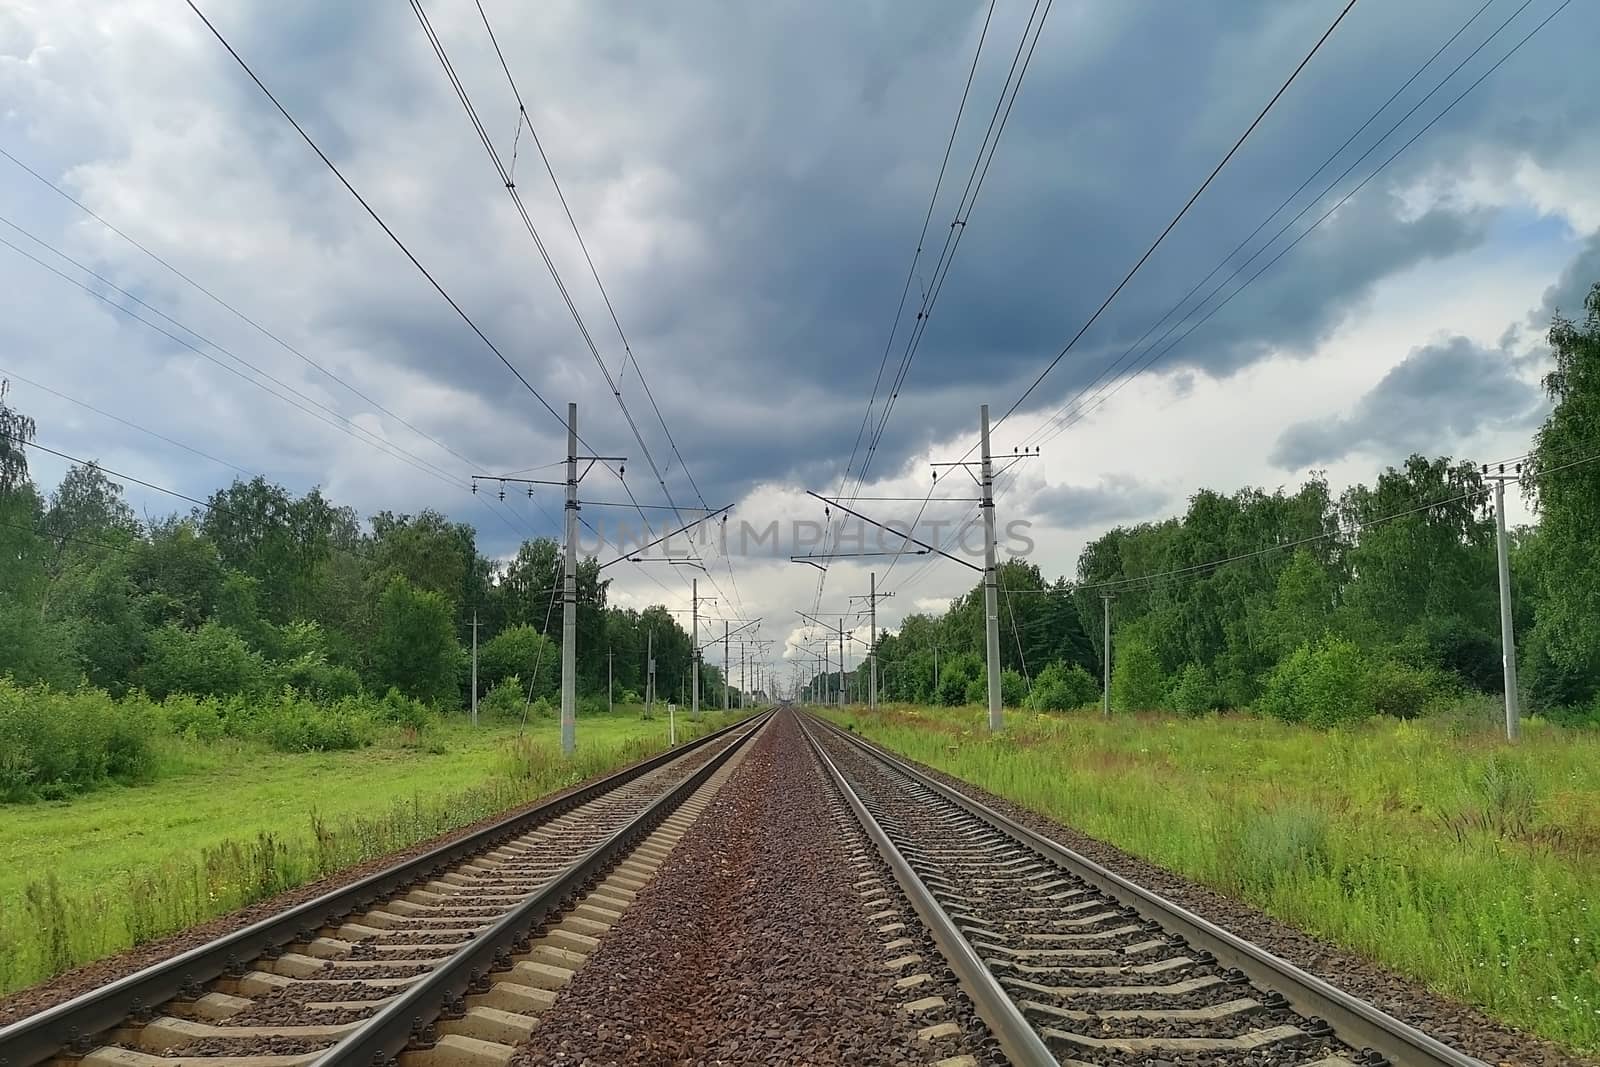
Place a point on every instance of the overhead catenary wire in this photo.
(394, 237)
(1195, 196)
(442, 54)
(224, 304)
(371, 211)
(979, 172)
(1154, 354)
(1328, 161)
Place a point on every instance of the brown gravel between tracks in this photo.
(92, 976)
(750, 945)
(1456, 1024)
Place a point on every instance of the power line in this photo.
(952, 241)
(1182, 211)
(337, 173)
(455, 81)
(131, 425)
(209, 294)
(332, 418)
(1274, 214)
(1153, 355)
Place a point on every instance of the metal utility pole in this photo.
(650, 672)
(694, 654)
(1105, 657)
(991, 591)
(991, 595)
(841, 664)
(569, 579)
(744, 682)
(725, 675)
(870, 685)
(474, 668)
(1508, 642)
(569, 596)
(609, 706)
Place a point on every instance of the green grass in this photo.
(229, 823)
(1442, 853)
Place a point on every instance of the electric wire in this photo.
(225, 305)
(1154, 355)
(1328, 161)
(394, 237)
(347, 426)
(1182, 211)
(488, 143)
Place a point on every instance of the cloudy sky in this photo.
(751, 180)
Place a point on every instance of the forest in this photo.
(1311, 606)
(268, 615)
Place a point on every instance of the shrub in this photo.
(505, 702)
(397, 709)
(312, 675)
(1193, 691)
(55, 744)
(956, 673)
(1137, 680)
(198, 718)
(1321, 684)
(521, 652)
(296, 725)
(1401, 691)
(212, 660)
(1062, 687)
(1013, 689)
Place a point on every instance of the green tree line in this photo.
(262, 590)
(1383, 598)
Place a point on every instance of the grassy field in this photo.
(1442, 853)
(229, 823)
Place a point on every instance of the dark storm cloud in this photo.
(1438, 395)
(751, 180)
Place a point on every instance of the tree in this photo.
(1063, 687)
(88, 506)
(16, 430)
(520, 652)
(1137, 681)
(1567, 494)
(282, 542)
(414, 647)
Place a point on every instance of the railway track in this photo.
(1069, 963)
(444, 959)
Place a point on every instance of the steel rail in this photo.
(1356, 1022)
(74, 1024)
(1020, 1042)
(408, 1019)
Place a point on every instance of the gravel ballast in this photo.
(752, 944)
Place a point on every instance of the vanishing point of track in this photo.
(450, 958)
